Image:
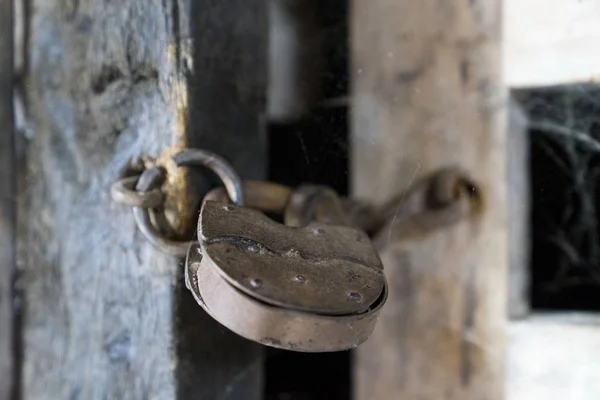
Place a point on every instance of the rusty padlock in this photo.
(313, 284)
(312, 288)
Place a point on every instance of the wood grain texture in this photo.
(106, 314)
(103, 90)
(7, 202)
(427, 94)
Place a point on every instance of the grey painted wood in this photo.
(7, 202)
(98, 299)
(519, 207)
(106, 315)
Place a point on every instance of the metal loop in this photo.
(264, 196)
(450, 186)
(123, 192)
(152, 178)
(202, 158)
(260, 195)
(443, 199)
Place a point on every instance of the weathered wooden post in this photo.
(427, 94)
(519, 211)
(7, 201)
(108, 86)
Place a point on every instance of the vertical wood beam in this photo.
(7, 201)
(426, 94)
(519, 207)
(107, 87)
(104, 90)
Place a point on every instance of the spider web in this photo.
(564, 123)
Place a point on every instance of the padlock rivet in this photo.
(353, 296)
(255, 283)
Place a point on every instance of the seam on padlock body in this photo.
(329, 287)
(328, 272)
(218, 220)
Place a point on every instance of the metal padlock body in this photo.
(316, 288)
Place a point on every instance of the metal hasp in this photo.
(315, 288)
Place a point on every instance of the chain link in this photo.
(439, 200)
(145, 198)
(124, 192)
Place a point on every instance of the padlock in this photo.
(313, 284)
(312, 288)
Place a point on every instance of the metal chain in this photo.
(147, 199)
(439, 200)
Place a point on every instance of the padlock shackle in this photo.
(264, 196)
(217, 164)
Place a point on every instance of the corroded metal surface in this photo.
(320, 268)
(332, 241)
(316, 287)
